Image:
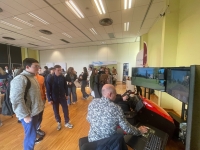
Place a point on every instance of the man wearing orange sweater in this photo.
(41, 82)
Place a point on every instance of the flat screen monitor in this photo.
(153, 78)
(178, 83)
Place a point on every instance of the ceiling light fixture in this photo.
(22, 21)
(101, 10)
(11, 25)
(37, 18)
(127, 5)
(66, 35)
(93, 31)
(74, 8)
(45, 38)
(126, 26)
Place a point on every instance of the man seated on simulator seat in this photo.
(105, 116)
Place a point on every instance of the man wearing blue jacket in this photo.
(57, 93)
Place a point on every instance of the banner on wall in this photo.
(50, 64)
(125, 71)
(103, 63)
(141, 58)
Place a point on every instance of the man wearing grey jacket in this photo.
(27, 111)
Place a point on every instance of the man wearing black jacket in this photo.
(57, 93)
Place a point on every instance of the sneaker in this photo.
(59, 126)
(38, 140)
(69, 125)
(40, 132)
(18, 121)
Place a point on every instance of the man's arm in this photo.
(17, 91)
(49, 88)
(125, 125)
(65, 86)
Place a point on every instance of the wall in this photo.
(29, 53)
(83, 56)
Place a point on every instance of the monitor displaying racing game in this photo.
(178, 83)
(153, 78)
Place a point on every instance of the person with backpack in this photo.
(27, 107)
(57, 93)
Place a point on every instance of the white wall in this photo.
(83, 56)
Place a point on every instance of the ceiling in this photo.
(141, 17)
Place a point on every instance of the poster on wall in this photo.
(125, 71)
(50, 64)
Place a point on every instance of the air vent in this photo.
(106, 22)
(64, 40)
(33, 44)
(46, 32)
(111, 35)
(8, 38)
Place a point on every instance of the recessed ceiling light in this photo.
(11, 25)
(8, 38)
(127, 4)
(105, 21)
(126, 26)
(74, 8)
(93, 31)
(64, 41)
(45, 32)
(100, 6)
(33, 44)
(24, 22)
(45, 38)
(66, 35)
(37, 18)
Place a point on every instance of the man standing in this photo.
(104, 116)
(27, 107)
(57, 93)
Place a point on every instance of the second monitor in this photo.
(153, 78)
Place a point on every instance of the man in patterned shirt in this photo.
(104, 116)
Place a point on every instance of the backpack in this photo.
(7, 105)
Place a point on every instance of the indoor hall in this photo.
(169, 28)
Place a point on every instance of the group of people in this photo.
(28, 95)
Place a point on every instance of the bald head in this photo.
(109, 91)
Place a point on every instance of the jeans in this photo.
(83, 85)
(30, 132)
(63, 103)
(72, 90)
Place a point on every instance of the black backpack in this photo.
(7, 105)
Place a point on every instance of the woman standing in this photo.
(70, 78)
(84, 83)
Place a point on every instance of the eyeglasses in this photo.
(36, 66)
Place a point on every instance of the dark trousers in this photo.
(39, 119)
(63, 103)
(83, 85)
(30, 132)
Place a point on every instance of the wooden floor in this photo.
(11, 133)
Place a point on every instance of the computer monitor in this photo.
(178, 83)
(153, 78)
